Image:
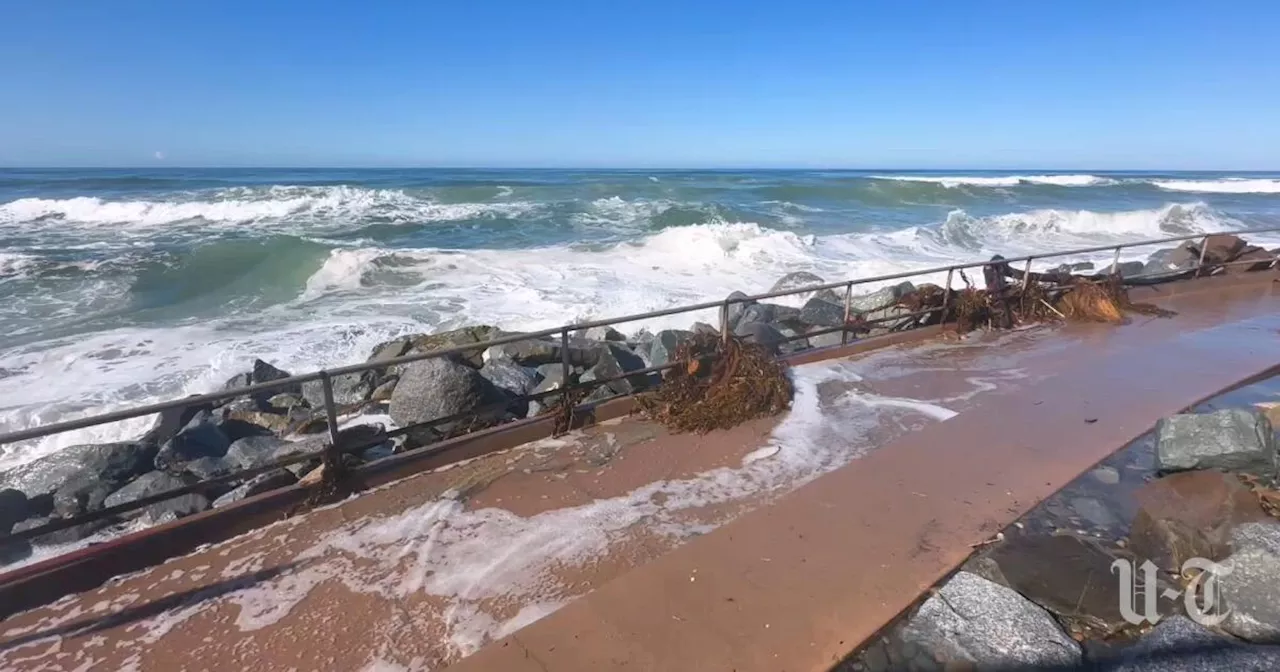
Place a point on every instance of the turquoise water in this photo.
(123, 286)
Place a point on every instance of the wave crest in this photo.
(247, 204)
(952, 182)
(1231, 185)
(1083, 226)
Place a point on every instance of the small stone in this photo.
(1094, 511)
(1106, 475)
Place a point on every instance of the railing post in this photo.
(566, 367)
(848, 308)
(1115, 261)
(332, 457)
(946, 295)
(1026, 275)
(1204, 248)
(724, 322)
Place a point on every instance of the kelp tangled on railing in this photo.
(718, 384)
(1034, 298)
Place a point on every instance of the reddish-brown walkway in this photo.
(422, 572)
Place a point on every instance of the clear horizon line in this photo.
(638, 168)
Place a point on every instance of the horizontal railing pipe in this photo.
(150, 409)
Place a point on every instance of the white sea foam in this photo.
(14, 263)
(244, 205)
(1230, 185)
(361, 296)
(1004, 180)
(479, 559)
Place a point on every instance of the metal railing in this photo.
(334, 449)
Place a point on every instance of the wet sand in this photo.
(424, 571)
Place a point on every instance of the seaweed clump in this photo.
(1035, 299)
(717, 384)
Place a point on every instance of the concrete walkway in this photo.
(715, 552)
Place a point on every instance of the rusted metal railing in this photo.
(332, 453)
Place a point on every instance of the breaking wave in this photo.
(248, 204)
(1004, 181)
(1233, 185)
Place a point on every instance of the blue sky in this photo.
(1020, 83)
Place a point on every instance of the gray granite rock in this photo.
(764, 334)
(605, 333)
(509, 376)
(388, 350)
(1251, 591)
(455, 338)
(1178, 644)
(1235, 439)
(881, 298)
(1261, 535)
(768, 313)
(437, 388)
(13, 508)
(665, 343)
(171, 421)
(1126, 269)
(202, 437)
(173, 509)
(348, 390)
(206, 468)
(801, 279)
(737, 308)
(971, 620)
(796, 280)
(818, 312)
(614, 361)
(262, 372)
(279, 478)
(253, 451)
(14, 550)
(81, 494)
(146, 485)
(824, 340)
(65, 536)
(115, 462)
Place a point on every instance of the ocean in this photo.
(128, 286)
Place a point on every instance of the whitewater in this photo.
(128, 286)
